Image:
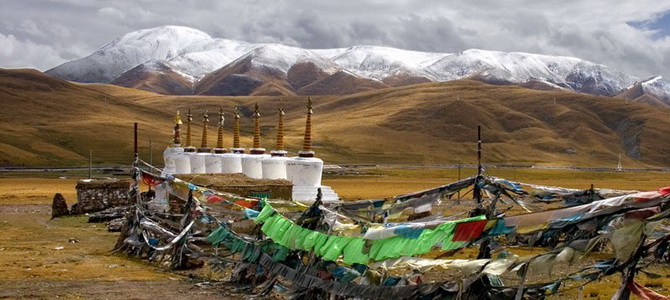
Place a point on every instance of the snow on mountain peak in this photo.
(657, 87)
(377, 62)
(130, 50)
(195, 54)
(283, 57)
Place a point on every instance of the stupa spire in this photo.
(219, 137)
(279, 149)
(176, 139)
(205, 121)
(236, 132)
(307, 142)
(189, 145)
(257, 127)
(257, 132)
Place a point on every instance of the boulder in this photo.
(59, 206)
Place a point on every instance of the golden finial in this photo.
(205, 121)
(189, 144)
(176, 140)
(309, 105)
(307, 142)
(221, 117)
(236, 131)
(177, 119)
(219, 136)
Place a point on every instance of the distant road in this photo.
(496, 166)
(126, 169)
(65, 169)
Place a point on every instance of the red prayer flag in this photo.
(247, 203)
(212, 199)
(150, 180)
(468, 230)
(643, 292)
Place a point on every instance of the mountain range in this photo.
(177, 60)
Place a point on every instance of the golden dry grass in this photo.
(419, 124)
(392, 182)
(30, 243)
(25, 191)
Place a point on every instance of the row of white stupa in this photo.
(304, 171)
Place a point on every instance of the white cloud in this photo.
(15, 53)
(596, 30)
(111, 12)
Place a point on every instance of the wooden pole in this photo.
(151, 153)
(459, 178)
(151, 156)
(136, 185)
(135, 144)
(477, 193)
(90, 163)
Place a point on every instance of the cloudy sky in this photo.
(633, 36)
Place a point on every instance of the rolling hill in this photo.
(54, 122)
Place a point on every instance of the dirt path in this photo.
(120, 289)
(68, 258)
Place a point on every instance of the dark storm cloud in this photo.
(45, 33)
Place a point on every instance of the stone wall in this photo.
(99, 194)
(236, 183)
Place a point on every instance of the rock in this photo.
(116, 225)
(108, 214)
(75, 209)
(59, 207)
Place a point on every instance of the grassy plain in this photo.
(387, 182)
(39, 261)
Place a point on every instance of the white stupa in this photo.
(170, 155)
(305, 171)
(232, 162)
(214, 160)
(183, 160)
(251, 164)
(198, 165)
(274, 167)
(174, 150)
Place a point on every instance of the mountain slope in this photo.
(53, 122)
(157, 77)
(427, 123)
(268, 63)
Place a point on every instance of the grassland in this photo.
(53, 122)
(39, 261)
(391, 182)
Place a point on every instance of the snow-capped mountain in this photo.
(132, 49)
(380, 62)
(658, 88)
(654, 91)
(212, 65)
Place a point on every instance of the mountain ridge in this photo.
(197, 55)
